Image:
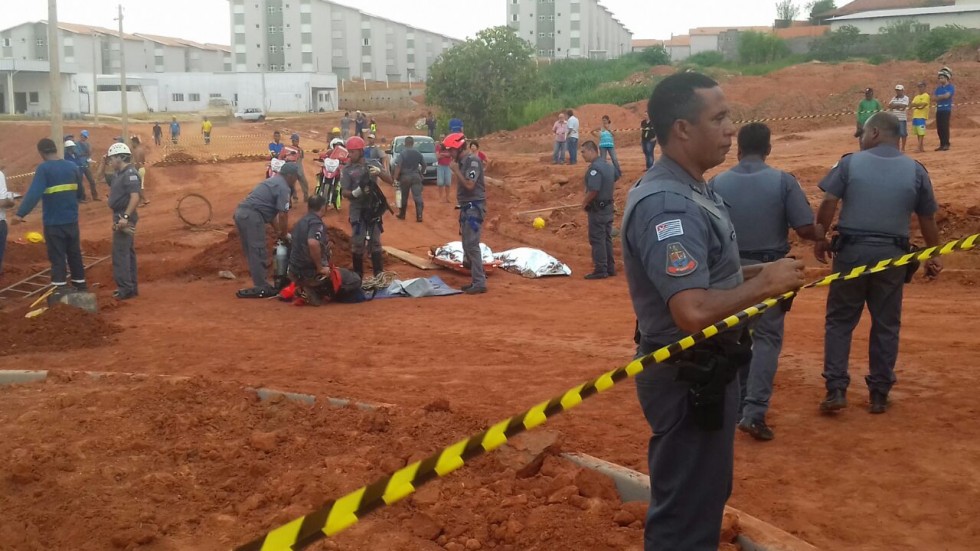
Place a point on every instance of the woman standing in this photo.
(607, 146)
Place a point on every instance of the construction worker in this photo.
(600, 182)
(124, 196)
(206, 127)
(295, 154)
(880, 189)
(359, 181)
(408, 174)
(471, 199)
(682, 267)
(268, 203)
(55, 185)
(139, 161)
(174, 130)
(764, 203)
(83, 151)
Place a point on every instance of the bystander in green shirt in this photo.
(866, 108)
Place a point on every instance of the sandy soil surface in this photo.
(905, 480)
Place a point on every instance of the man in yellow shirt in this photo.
(206, 130)
(920, 114)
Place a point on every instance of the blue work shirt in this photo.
(946, 104)
(455, 125)
(276, 148)
(175, 128)
(55, 184)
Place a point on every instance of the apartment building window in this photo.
(540, 35)
(194, 97)
(177, 97)
(307, 57)
(513, 18)
(273, 9)
(240, 59)
(274, 29)
(239, 19)
(6, 42)
(306, 18)
(338, 52)
(40, 42)
(307, 38)
(365, 42)
(336, 15)
(273, 49)
(214, 95)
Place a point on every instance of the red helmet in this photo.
(355, 143)
(455, 141)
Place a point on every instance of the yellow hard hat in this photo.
(539, 223)
(335, 130)
(34, 237)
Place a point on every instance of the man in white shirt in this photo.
(572, 137)
(899, 107)
(6, 202)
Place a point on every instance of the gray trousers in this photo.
(471, 227)
(690, 468)
(411, 181)
(882, 292)
(600, 238)
(303, 183)
(756, 377)
(64, 247)
(124, 259)
(251, 230)
(359, 235)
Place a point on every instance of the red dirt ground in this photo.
(905, 480)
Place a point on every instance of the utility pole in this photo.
(95, 77)
(122, 79)
(54, 62)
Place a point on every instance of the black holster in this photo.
(709, 367)
(839, 241)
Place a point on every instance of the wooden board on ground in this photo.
(530, 214)
(409, 258)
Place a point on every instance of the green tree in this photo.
(786, 10)
(755, 47)
(655, 55)
(941, 40)
(485, 80)
(899, 39)
(818, 9)
(838, 45)
(707, 59)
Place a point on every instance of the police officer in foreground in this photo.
(359, 182)
(764, 203)
(880, 189)
(683, 270)
(600, 181)
(471, 199)
(124, 197)
(267, 204)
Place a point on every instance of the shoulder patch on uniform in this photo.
(593, 172)
(471, 175)
(668, 229)
(679, 261)
(134, 177)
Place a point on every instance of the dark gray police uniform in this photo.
(410, 180)
(763, 203)
(303, 268)
(124, 184)
(261, 207)
(472, 212)
(677, 236)
(600, 177)
(879, 189)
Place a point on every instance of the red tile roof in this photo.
(859, 6)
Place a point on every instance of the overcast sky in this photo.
(208, 20)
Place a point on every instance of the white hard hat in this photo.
(69, 143)
(276, 165)
(336, 141)
(118, 149)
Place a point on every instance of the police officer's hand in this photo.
(783, 275)
(821, 250)
(122, 223)
(933, 267)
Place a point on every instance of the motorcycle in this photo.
(289, 155)
(328, 180)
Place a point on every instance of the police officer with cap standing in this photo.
(763, 204)
(267, 204)
(683, 270)
(471, 199)
(359, 182)
(124, 196)
(600, 181)
(880, 189)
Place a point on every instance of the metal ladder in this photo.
(40, 281)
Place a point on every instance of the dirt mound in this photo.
(168, 461)
(59, 329)
(227, 254)
(959, 55)
(177, 158)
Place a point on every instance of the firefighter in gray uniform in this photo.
(880, 189)
(124, 196)
(763, 203)
(683, 271)
(267, 204)
(471, 200)
(600, 181)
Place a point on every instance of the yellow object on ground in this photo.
(539, 223)
(34, 237)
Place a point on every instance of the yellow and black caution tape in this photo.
(17, 177)
(340, 514)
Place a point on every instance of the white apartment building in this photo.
(560, 29)
(320, 36)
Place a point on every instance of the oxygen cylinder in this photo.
(282, 259)
(398, 195)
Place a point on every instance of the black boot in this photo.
(358, 264)
(377, 262)
(401, 212)
(418, 212)
(834, 401)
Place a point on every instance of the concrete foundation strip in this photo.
(755, 535)
(342, 513)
